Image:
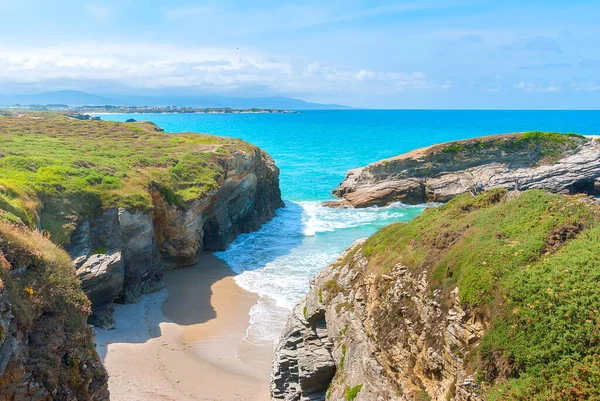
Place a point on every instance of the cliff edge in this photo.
(492, 297)
(128, 201)
(46, 347)
(556, 162)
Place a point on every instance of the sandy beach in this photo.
(186, 342)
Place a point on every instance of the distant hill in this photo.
(78, 98)
(71, 98)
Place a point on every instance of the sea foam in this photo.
(278, 261)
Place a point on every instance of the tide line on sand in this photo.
(186, 342)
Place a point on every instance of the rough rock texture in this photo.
(143, 267)
(170, 235)
(305, 366)
(46, 349)
(440, 172)
(116, 256)
(102, 279)
(336, 322)
(246, 198)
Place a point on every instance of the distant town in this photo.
(146, 109)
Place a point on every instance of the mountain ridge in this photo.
(81, 98)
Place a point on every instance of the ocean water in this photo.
(314, 149)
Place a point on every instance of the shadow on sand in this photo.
(190, 293)
(186, 298)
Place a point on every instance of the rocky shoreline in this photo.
(521, 161)
(327, 346)
(435, 309)
(452, 306)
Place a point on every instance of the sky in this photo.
(501, 54)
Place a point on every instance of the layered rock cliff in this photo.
(558, 163)
(46, 348)
(485, 298)
(138, 246)
(128, 201)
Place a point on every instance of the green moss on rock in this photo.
(352, 392)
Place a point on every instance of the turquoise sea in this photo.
(314, 149)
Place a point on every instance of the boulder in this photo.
(102, 279)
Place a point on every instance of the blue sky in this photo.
(376, 54)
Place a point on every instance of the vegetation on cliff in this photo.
(54, 169)
(545, 144)
(47, 348)
(527, 160)
(528, 265)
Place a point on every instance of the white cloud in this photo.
(537, 87)
(142, 66)
(587, 86)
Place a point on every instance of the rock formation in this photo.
(128, 201)
(46, 348)
(416, 312)
(329, 332)
(121, 255)
(558, 163)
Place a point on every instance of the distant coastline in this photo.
(107, 109)
(175, 110)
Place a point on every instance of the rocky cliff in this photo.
(128, 201)
(138, 246)
(46, 348)
(485, 298)
(559, 163)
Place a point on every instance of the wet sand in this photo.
(186, 342)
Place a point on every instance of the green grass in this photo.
(55, 169)
(546, 144)
(39, 282)
(49, 273)
(530, 266)
(422, 396)
(352, 392)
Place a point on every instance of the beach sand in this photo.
(186, 342)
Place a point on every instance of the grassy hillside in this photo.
(54, 168)
(530, 266)
(42, 302)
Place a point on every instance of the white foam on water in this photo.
(278, 261)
